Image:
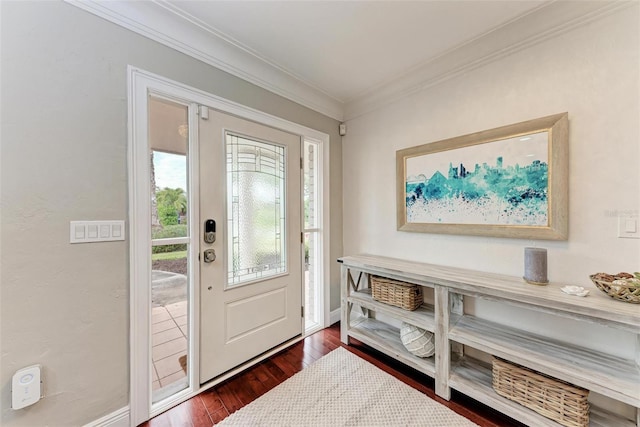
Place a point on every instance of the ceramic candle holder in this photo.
(535, 266)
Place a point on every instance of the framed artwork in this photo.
(511, 181)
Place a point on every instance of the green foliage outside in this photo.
(167, 215)
(168, 255)
(177, 230)
(172, 203)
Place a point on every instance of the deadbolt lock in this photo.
(209, 231)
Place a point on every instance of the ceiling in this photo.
(347, 58)
(348, 48)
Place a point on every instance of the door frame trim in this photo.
(140, 84)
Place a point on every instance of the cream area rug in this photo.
(341, 389)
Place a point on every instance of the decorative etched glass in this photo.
(310, 186)
(255, 209)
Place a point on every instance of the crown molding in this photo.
(183, 33)
(166, 26)
(542, 24)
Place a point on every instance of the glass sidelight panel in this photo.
(312, 235)
(170, 246)
(169, 320)
(312, 259)
(256, 187)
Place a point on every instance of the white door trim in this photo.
(141, 83)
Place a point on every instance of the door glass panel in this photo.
(255, 209)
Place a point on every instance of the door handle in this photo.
(209, 255)
(209, 231)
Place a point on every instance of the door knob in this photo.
(209, 255)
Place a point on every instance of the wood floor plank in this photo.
(266, 377)
(219, 415)
(161, 420)
(214, 405)
(239, 386)
(296, 354)
(283, 363)
(180, 416)
(211, 400)
(311, 351)
(309, 355)
(198, 413)
(275, 371)
(320, 344)
(332, 340)
(244, 396)
(254, 383)
(228, 398)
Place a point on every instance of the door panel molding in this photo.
(240, 326)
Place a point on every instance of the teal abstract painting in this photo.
(504, 182)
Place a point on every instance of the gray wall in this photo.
(64, 148)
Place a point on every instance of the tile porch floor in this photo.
(169, 340)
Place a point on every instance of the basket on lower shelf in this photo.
(555, 399)
(394, 292)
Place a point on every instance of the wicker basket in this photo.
(628, 293)
(393, 292)
(562, 402)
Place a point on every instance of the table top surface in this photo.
(596, 305)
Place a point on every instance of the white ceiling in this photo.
(347, 58)
(346, 48)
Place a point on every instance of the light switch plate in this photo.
(628, 227)
(95, 231)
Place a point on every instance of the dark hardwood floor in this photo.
(213, 405)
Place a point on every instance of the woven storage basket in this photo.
(393, 292)
(562, 402)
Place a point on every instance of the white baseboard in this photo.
(334, 316)
(119, 418)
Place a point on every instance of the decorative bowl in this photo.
(622, 286)
(418, 341)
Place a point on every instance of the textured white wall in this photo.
(593, 73)
(64, 157)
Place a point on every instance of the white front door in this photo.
(250, 295)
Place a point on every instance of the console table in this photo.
(455, 331)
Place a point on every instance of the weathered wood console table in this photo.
(605, 374)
